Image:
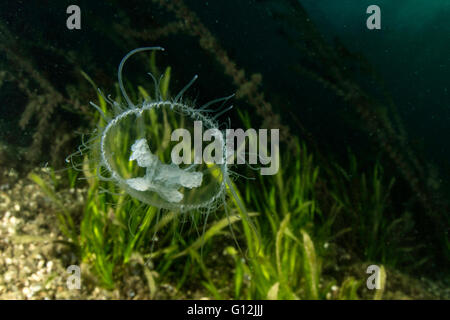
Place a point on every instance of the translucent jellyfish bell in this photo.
(135, 147)
(134, 144)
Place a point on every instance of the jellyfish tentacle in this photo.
(206, 105)
(104, 190)
(107, 99)
(101, 177)
(119, 72)
(111, 101)
(235, 174)
(180, 94)
(159, 85)
(117, 109)
(222, 112)
(102, 114)
(156, 84)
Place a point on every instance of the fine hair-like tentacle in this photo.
(119, 72)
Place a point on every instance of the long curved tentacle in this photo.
(224, 99)
(119, 72)
(180, 94)
(222, 112)
(156, 84)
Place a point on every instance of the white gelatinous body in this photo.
(164, 179)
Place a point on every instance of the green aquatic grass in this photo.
(282, 262)
(66, 223)
(280, 249)
(349, 289)
(378, 234)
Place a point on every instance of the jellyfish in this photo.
(132, 147)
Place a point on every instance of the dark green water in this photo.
(410, 53)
